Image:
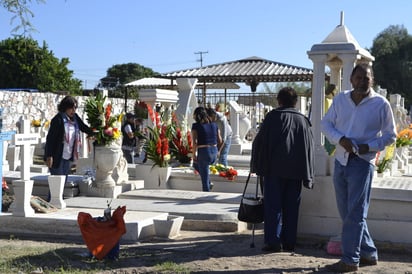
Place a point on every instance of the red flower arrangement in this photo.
(230, 174)
(101, 120)
(224, 171)
(182, 144)
(157, 143)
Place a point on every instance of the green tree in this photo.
(119, 75)
(24, 64)
(392, 49)
(22, 13)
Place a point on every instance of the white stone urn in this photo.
(157, 178)
(105, 160)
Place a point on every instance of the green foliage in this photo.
(20, 11)
(119, 75)
(24, 64)
(392, 49)
(382, 166)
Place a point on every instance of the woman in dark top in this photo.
(63, 139)
(206, 138)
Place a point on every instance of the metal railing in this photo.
(250, 103)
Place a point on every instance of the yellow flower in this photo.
(389, 152)
(46, 124)
(36, 123)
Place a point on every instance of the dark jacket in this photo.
(284, 147)
(127, 141)
(56, 134)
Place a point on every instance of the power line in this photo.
(201, 57)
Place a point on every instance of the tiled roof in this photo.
(252, 69)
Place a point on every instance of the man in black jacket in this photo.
(129, 138)
(283, 153)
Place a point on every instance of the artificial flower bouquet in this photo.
(102, 121)
(157, 141)
(227, 172)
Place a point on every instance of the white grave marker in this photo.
(23, 188)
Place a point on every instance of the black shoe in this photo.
(288, 248)
(341, 267)
(271, 248)
(367, 262)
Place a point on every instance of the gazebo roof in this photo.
(153, 82)
(248, 70)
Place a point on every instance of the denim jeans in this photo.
(63, 169)
(353, 184)
(128, 155)
(225, 151)
(205, 157)
(281, 205)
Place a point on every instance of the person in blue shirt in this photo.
(226, 134)
(360, 122)
(206, 140)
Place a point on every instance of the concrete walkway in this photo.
(201, 212)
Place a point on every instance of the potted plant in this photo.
(107, 144)
(156, 148)
(101, 119)
(181, 144)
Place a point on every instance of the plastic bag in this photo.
(101, 237)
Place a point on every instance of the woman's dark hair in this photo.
(211, 113)
(287, 97)
(201, 115)
(66, 103)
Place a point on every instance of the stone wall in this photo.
(36, 105)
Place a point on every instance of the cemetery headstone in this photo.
(4, 136)
(23, 188)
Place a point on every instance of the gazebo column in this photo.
(348, 60)
(318, 106)
(187, 101)
(335, 73)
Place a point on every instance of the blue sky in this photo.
(164, 35)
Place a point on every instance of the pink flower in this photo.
(108, 131)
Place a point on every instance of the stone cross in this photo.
(23, 188)
(25, 140)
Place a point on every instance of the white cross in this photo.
(25, 140)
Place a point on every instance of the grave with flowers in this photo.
(157, 133)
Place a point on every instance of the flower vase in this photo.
(169, 228)
(157, 178)
(105, 160)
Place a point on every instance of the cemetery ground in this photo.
(190, 252)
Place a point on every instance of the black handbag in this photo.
(251, 205)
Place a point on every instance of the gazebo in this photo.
(251, 71)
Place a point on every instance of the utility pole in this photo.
(201, 57)
(204, 84)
